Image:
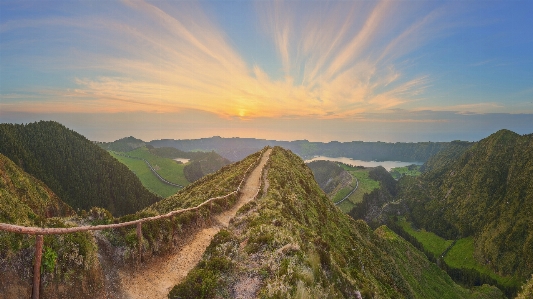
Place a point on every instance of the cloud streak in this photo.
(338, 59)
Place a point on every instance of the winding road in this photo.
(351, 192)
(152, 169)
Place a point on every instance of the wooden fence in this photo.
(40, 231)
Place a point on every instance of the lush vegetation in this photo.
(455, 257)
(159, 236)
(338, 180)
(482, 191)
(129, 150)
(527, 290)
(77, 170)
(68, 260)
(378, 204)
(412, 170)
(294, 243)
(26, 200)
(220, 183)
(332, 179)
(169, 169)
(147, 177)
(430, 241)
(202, 166)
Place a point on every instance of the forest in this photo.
(81, 173)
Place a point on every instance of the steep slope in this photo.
(378, 204)
(484, 191)
(26, 200)
(202, 166)
(293, 242)
(77, 170)
(330, 176)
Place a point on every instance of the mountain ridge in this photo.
(484, 191)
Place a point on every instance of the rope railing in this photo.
(40, 231)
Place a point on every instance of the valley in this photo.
(274, 229)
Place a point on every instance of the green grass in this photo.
(366, 185)
(429, 240)
(148, 179)
(398, 172)
(462, 256)
(169, 169)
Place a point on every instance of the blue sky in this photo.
(316, 70)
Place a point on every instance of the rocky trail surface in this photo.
(154, 279)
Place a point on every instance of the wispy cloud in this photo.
(339, 59)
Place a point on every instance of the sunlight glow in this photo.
(174, 59)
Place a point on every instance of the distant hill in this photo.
(378, 204)
(484, 190)
(294, 243)
(125, 144)
(198, 168)
(330, 176)
(201, 164)
(236, 149)
(81, 173)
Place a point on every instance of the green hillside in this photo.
(77, 170)
(378, 204)
(24, 200)
(294, 243)
(146, 176)
(330, 176)
(484, 192)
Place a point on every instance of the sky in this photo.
(284, 70)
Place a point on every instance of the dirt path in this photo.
(155, 279)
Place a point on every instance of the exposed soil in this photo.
(155, 278)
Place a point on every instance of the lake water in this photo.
(182, 160)
(386, 164)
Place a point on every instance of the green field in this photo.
(429, 240)
(398, 172)
(366, 185)
(461, 255)
(167, 168)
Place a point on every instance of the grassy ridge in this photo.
(294, 243)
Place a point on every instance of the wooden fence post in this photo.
(37, 266)
(139, 240)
